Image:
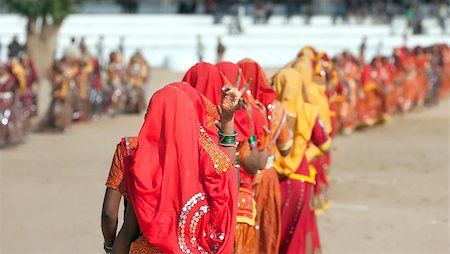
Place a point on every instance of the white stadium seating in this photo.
(170, 40)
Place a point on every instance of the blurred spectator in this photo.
(237, 12)
(83, 47)
(390, 11)
(99, 47)
(442, 15)
(409, 15)
(291, 9)
(200, 48)
(14, 48)
(309, 12)
(259, 12)
(269, 11)
(129, 6)
(418, 20)
(121, 46)
(220, 50)
(220, 9)
(340, 10)
(187, 7)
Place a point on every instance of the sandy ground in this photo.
(390, 186)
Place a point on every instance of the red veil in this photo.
(208, 80)
(230, 70)
(259, 87)
(182, 186)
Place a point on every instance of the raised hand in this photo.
(232, 97)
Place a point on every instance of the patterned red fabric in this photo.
(259, 86)
(208, 80)
(230, 71)
(184, 202)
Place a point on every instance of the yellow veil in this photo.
(315, 93)
(301, 117)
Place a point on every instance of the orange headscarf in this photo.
(181, 184)
(301, 118)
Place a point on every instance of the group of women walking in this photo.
(229, 160)
(83, 91)
(18, 104)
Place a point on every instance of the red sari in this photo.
(267, 187)
(246, 234)
(181, 184)
(370, 103)
(299, 233)
(121, 162)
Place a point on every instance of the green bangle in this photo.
(223, 134)
(252, 139)
(225, 139)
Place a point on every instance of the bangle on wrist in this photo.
(107, 248)
(227, 140)
(252, 139)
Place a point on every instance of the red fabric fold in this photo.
(173, 181)
(259, 87)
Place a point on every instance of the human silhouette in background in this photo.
(129, 6)
(220, 50)
(200, 48)
(121, 46)
(14, 48)
(99, 48)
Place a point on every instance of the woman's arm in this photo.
(110, 211)
(128, 233)
(251, 163)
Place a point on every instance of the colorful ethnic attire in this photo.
(182, 186)
(247, 232)
(267, 188)
(299, 232)
(122, 160)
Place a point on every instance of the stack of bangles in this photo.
(253, 142)
(227, 140)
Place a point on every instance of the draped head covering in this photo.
(181, 184)
(230, 71)
(314, 92)
(259, 87)
(301, 117)
(207, 79)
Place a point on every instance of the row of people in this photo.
(80, 91)
(179, 170)
(18, 104)
(272, 134)
(363, 94)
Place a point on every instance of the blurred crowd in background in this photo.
(82, 89)
(381, 11)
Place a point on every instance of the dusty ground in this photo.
(390, 187)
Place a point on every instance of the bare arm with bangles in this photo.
(251, 162)
(231, 101)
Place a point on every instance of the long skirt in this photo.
(268, 211)
(245, 239)
(409, 94)
(264, 236)
(422, 83)
(369, 108)
(299, 233)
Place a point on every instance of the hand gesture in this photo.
(232, 97)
